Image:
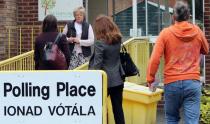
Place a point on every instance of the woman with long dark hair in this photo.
(49, 34)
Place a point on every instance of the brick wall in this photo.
(28, 21)
(16, 14)
(13, 15)
(7, 18)
(207, 33)
(28, 12)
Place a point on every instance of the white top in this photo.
(87, 42)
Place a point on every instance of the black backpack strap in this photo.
(57, 38)
(124, 50)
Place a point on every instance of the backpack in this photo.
(53, 56)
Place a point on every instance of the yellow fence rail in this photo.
(21, 62)
(20, 39)
(139, 49)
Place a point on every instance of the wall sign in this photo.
(62, 9)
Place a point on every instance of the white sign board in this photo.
(61, 9)
(50, 97)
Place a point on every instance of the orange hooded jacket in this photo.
(181, 44)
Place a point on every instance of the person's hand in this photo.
(70, 40)
(148, 84)
(153, 86)
(76, 40)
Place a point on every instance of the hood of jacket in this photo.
(184, 30)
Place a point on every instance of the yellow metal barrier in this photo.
(104, 97)
(140, 52)
(21, 62)
(18, 37)
(82, 67)
(137, 47)
(21, 39)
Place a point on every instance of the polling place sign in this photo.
(51, 97)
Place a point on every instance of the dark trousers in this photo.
(116, 99)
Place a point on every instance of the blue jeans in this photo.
(182, 94)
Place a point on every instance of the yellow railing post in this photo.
(59, 29)
(32, 38)
(20, 40)
(21, 62)
(9, 39)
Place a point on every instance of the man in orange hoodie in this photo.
(181, 44)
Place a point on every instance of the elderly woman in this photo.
(80, 37)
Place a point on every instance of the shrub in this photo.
(205, 106)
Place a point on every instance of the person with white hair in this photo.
(80, 37)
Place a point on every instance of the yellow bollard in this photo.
(9, 41)
(20, 40)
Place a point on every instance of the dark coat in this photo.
(107, 57)
(40, 42)
(86, 50)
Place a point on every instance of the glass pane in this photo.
(157, 16)
(141, 18)
(199, 21)
(154, 18)
(198, 12)
(122, 15)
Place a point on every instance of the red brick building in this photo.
(207, 33)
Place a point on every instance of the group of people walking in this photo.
(181, 45)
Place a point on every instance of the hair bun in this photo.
(181, 11)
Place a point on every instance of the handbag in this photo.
(127, 63)
(53, 56)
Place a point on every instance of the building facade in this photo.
(207, 34)
(19, 21)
